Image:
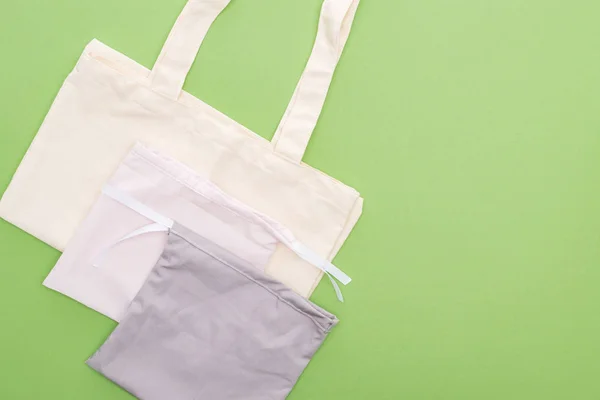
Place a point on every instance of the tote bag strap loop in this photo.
(182, 45)
(300, 118)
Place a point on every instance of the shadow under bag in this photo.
(109, 102)
(208, 325)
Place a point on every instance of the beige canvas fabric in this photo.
(109, 102)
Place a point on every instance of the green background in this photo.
(470, 127)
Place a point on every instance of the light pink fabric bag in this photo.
(119, 242)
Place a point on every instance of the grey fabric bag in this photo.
(207, 325)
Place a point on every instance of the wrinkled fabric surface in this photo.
(207, 325)
(109, 102)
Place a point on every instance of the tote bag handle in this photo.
(300, 118)
(182, 45)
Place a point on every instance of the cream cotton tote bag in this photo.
(109, 102)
